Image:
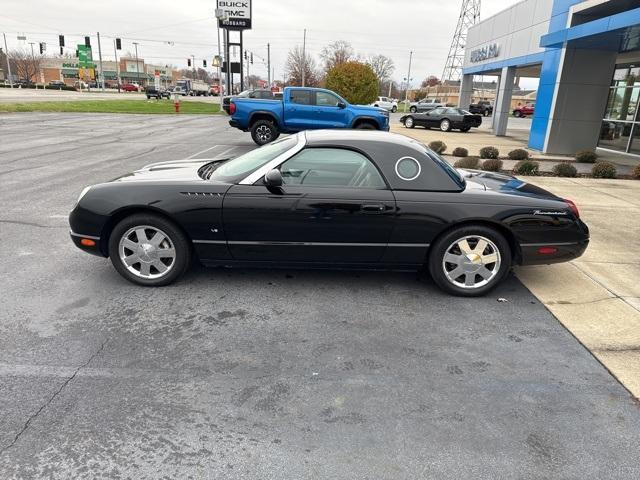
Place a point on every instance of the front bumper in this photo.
(83, 242)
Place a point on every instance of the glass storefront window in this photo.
(615, 135)
(622, 103)
(635, 141)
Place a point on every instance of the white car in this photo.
(386, 103)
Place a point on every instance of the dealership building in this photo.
(586, 54)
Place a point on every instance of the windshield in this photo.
(234, 170)
(244, 93)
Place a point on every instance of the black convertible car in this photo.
(444, 118)
(343, 199)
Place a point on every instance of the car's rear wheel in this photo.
(409, 122)
(465, 129)
(412, 109)
(394, 109)
(263, 132)
(485, 113)
(469, 260)
(149, 250)
(445, 125)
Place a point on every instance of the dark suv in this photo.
(483, 107)
(263, 94)
(152, 92)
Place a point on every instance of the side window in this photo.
(302, 97)
(331, 167)
(325, 99)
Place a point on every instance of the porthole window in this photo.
(408, 168)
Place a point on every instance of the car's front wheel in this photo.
(149, 250)
(469, 260)
(517, 114)
(263, 132)
(394, 109)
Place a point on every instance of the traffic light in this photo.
(61, 40)
(43, 47)
(204, 63)
(188, 62)
(118, 44)
(87, 41)
(251, 58)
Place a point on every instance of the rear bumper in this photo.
(564, 252)
(235, 124)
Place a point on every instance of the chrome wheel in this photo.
(147, 252)
(408, 122)
(471, 262)
(264, 133)
(445, 126)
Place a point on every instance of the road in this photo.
(28, 95)
(245, 374)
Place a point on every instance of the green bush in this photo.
(438, 146)
(492, 165)
(518, 154)
(604, 170)
(356, 82)
(586, 156)
(460, 152)
(468, 162)
(564, 169)
(527, 167)
(635, 173)
(489, 152)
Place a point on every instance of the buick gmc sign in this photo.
(485, 53)
(237, 14)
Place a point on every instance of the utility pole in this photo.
(193, 65)
(6, 51)
(220, 87)
(304, 56)
(137, 65)
(269, 64)
(33, 59)
(406, 92)
(115, 53)
(100, 58)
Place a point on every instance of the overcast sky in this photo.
(392, 28)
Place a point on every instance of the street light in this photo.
(137, 66)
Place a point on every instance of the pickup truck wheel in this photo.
(365, 126)
(263, 132)
(413, 109)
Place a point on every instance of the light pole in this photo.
(406, 92)
(33, 62)
(6, 52)
(137, 65)
(115, 53)
(304, 55)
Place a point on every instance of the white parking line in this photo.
(198, 153)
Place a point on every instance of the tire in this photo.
(394, 109)
(173, 250)
(445, 125)
(263, 132)
(465, 129)
(517, 113)
(409, 122)
(412, 109)
(485, 113)
(148, 97)
(365, 126)
(476, 277)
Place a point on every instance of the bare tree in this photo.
(297, 62)
(431, 81)
(25, 65)
(336, 53)
(383, 67)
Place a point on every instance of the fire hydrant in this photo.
(176, 102)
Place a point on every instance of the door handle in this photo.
(373, 208)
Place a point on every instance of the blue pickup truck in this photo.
(302, 109)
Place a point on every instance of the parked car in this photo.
(302, 109)
(386, 103)
(425, 105)
(340, 199)
(159, 93)
(130, 87)
(444, 118)
(57, 83)
(483, 107)
(524, 110)
(258, 93)
(214, 90)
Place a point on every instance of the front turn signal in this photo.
(87, 242)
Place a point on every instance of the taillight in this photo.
(572, 206)
(232, 108)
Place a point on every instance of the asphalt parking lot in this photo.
(266, 373)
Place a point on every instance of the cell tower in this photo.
(469, 15)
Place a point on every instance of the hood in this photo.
(367, 109)
(178, 170)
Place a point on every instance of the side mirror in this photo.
(341, 105)
(273, 179)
